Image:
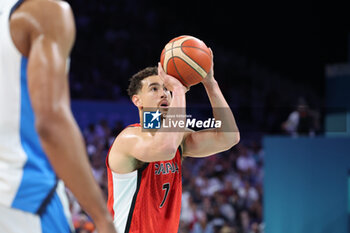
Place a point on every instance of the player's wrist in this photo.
(209, 82)
(181, 89)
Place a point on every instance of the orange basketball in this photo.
(186, 58)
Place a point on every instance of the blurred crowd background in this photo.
(269, 65)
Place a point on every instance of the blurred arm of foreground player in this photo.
(44, 32)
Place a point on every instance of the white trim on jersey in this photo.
(61, 192)
(124, 188)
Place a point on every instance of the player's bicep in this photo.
(47, 77)
(119, 157)
(128, 142)
(141, 146)
(201, 143)
(47, 69)
(144, 149)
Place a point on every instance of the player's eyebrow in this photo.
(153, 84)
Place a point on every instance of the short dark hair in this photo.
(135, 81)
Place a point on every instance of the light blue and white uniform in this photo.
(31, 197)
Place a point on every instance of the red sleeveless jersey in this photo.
(147, 200)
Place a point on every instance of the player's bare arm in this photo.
(44, 32)
(133, 145)
(210, 141)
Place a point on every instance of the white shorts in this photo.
(55, 217)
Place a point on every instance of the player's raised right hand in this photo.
(170, 82)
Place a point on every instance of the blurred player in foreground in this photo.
(144, 167)
(40, 142)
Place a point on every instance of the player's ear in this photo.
(136, 100)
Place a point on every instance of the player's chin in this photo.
(163, 109)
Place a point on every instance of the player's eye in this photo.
(165, 89)
(154, 89)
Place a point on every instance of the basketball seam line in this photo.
(186, 46)
(189, 65)
(177, 71)
(194, 61)
(188, 57)
(192, 47)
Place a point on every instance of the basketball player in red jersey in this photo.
(144, 168)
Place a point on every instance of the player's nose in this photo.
(163, 93)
